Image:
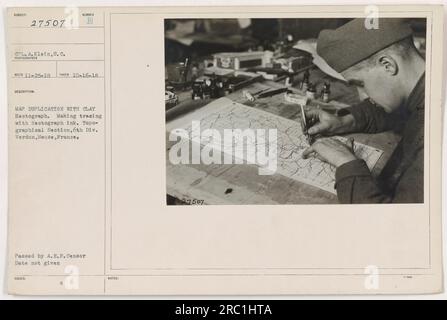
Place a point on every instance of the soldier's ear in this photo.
(389, 64)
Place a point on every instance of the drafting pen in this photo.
(304, 125)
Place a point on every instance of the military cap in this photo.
(353, 42)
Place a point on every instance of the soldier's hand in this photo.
(325, 123)
(332, 151)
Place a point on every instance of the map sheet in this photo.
(291, 142)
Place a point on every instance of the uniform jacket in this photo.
(402, 180)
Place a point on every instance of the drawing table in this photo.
(241, 184)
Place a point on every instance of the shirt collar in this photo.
(416, 100)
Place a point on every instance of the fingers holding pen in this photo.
(321, 122)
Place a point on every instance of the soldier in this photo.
(385, 64)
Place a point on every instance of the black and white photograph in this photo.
(295, 111)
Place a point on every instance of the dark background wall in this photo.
(218, 35)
